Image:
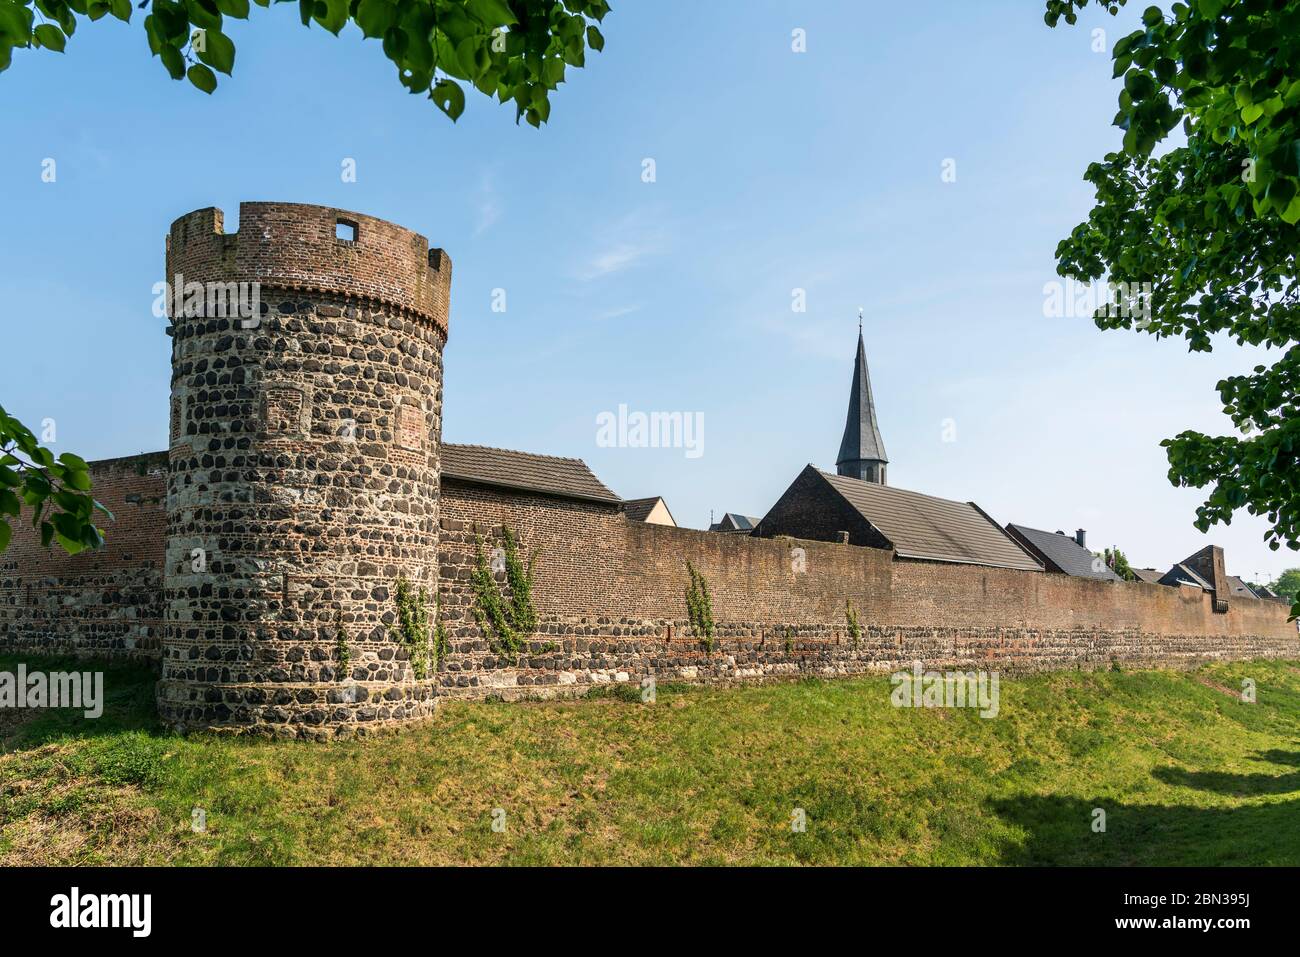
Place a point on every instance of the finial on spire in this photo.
(859, 318)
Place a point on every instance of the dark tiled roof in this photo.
(548, 474)
(862, 441)
(1062, 553)
(1239, 588)
(932, 529)
(1180, 574)
(639, 509)
(1148, 575)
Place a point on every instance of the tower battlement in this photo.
(315, 249)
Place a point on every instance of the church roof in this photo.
(932, 529)
(862, 439)
(525, 471)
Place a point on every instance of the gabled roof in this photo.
(524, 471)
(932, 529)
(1061, 553)
(1149, 575)
(1239, 588)
(639, 509)
(734, 522)
(862, 439)
(1180, 574)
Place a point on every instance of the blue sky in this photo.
(775, 171)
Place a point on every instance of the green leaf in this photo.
(595, 39)
(6, 533)
(1291, 215)
(203, 78)
(218, 51)
(234, 8)
(172, 60)
(50, 37)
(331, 14)
(449, 97)
(376, 17)
(492, 13)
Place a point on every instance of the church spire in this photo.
(862, 450)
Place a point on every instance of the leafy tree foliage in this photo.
(1212, 225)
(515, 50)
(55, 490)
(1288, 584)
(1117, 562)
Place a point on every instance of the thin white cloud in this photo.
(618, 311)
(489, 204)
(622, 246)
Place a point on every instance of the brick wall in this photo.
(106, 602)
(610, 598)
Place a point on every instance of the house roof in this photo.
(1060, 552)
(1149, 575)
(735, 522)
(862, 441)
(525, 471)
(639, 509)
(1239, 588)
(1180, 574)
(932, 529)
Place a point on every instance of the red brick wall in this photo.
(105, 602)
(610, 597)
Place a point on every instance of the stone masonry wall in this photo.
(106, 602)
(304, 473)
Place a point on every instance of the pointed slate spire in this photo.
(862, 451)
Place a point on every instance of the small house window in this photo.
(345, 230)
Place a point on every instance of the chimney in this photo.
(1081, 537)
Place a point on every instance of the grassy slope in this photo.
(1186, 774)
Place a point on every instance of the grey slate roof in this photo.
(735, 522)
(933, 529)
(525, 471)
(1061, 553)
(1239, 588)
(862, 439)
(1149, 575)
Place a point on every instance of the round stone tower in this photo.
(306, 421)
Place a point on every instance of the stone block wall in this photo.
(107, 602)
(303, 477)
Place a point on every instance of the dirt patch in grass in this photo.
(1216, 686)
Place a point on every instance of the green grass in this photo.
(1186, 774)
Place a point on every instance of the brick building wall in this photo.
(107, 602)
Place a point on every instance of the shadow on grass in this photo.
(128, 704)
(1235, 785)
(1059, 830)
